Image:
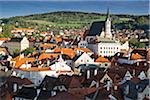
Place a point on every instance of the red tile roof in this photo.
(46, 56)
(47, 45)
(68, 51)
(83, 49)
(136, 56)
(102, 59)
(23, 61)
(36, 69)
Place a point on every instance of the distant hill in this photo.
(74, 20)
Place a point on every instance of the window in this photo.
(87, 60)
(81, 60)
(105, 64)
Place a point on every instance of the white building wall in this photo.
(108, 49)
(82, 44)
(1, 42)
(24, 44)
(125, 46)
(84, 59)
(35, 76)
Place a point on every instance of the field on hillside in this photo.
(74, 20)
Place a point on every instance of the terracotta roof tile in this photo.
(136, 56)
(83, 49)
(4, 39)
(23, 61)
(36, 69)
(102, 59)
(47, 45)
(68, 51)
(44, 32)
(58, 39)
(45, 56)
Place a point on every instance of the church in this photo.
(101, 41)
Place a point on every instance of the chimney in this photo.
(145, 64)
(108, 85)
(115, 87)
(133, 72)
(15, 87)
(137, 64)
(95, 72)
(48, 62)
(88, 74)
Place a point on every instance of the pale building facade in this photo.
(24, 44)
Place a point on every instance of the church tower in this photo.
(108, 26)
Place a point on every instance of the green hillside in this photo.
(73, 20)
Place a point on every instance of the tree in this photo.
(29, 50)
(141, 45)
(7, 31)
(133, 42)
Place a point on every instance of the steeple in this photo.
(108, 16)
(108, 25)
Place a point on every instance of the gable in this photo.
(84, 58)
(142, 75)
(106, 77)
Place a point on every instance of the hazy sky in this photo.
(74, 0)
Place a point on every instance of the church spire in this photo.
(108, 25)
(108, 15)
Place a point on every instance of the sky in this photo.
(74, 0)
(9, 8)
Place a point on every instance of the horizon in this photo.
(117, 7)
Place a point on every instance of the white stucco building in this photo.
(24, 43)
(106, 47)
(83, 59)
